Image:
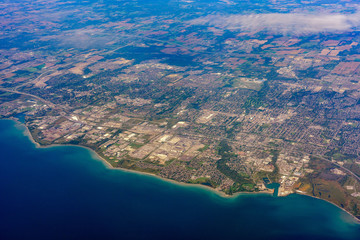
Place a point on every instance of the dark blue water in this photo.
(65, 193)
(274, 186)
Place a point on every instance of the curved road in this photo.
(50, 104)
(339, 166)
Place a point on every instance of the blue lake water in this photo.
(64, 192)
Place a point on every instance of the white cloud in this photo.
(288, 23)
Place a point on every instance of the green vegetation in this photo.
(35, 69)
(257, 99)
(336, 155)
(242, 183)
(232, 129)
(136, 145)
(223, 84)
(263, 126)
(274, 176)
(131, 164)
(204, 181)
(203, 149)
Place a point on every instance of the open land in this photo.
(204, 103)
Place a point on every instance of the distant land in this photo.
(239, 96)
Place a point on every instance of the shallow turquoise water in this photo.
(64, 192)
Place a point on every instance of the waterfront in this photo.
(64, 192)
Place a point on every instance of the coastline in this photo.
(96, 156)
(354, 217)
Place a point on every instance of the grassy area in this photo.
(129, 164)
(321, 184)
(204, 181)
(136, 145)
(242, 182)
(257, 99)
(203, 149)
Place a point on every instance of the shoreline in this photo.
(97, 157)
(108, 166)
(304, 194)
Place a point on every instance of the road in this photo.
(50, 104)
(339, 166)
